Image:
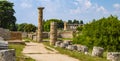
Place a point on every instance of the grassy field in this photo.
(77, 55)
(19, 56)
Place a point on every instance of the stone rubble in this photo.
(97, 51)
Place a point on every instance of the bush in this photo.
(104, 32)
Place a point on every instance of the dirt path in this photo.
(38, 52)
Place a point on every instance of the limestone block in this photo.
(71, 47)
(68, 42)
(97, 51)
(7, 55)
(113, 56)
(57, 44)
(63, 45)
(3, 45)
(82, 48)
(1, 39)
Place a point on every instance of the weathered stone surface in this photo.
(57, 44)
(82, 48)
(40, 20)
(3, 45)
(63, 45)
(67, 42)
(53, 33)
(24, 34)
(97, 51)
(71, 47)
(113, 56)
(7, 55)
(4, 33)
(1, 39)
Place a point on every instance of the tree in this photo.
(60, 24)
(24, 27)
(30, 28)
(21, 27)
(70, 22)
(7, 18)
(104, 32)
(81, 22)
(75, 21)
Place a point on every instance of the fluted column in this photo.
(53, 33)
(40, 19)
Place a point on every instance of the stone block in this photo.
(113, 56)
(57, 44)
(67, 42)
(63, 45)
(1, 39)
(71, 47)
(3, 45)
(82, 48)
(97, 51)
(7, 55)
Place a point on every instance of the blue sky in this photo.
(86, 10)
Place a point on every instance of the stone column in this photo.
(53, 33)
(65, 25)
(40, 19)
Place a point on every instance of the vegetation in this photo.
(104, 32)
(75, 21)
(19, 56)
(24, 27)
(77, 55)
(7, 18)
(46, 25)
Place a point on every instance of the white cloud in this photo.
(86, 6)
(25, 5)
(117, 6)
(101, 9)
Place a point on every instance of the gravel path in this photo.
(38, 52)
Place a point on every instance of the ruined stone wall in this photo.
(15, 36)
(5, 33)
(66, 34)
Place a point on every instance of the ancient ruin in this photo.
(40, 19)
(53, 33)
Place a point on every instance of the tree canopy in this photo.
(24, 27)
(7, 18)
(104, 32)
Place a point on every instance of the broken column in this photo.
(53, 33)
(65, 25)
(40, 19)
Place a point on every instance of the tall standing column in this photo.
(53, 33)
(40, 19)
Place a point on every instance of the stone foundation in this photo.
(97, 51)
(7, 55)
(113, 56)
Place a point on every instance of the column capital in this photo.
(39, 8)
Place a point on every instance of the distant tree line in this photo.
(25, 27)
(75, 21)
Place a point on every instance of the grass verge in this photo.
(19, 56)
(77, 55)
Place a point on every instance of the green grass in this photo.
(48, 48)
(19, 56)
(77, 55)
